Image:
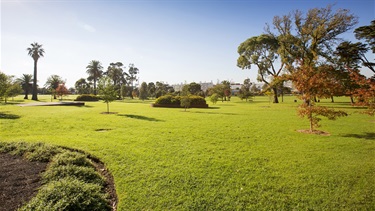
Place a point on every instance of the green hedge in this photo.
(175, 101)
(87, 97)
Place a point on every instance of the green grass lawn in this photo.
(233, 156)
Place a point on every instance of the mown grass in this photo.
(233, 156)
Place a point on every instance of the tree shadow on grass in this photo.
(368, 136)
(201, 112)
(141, 117)
(5, 115)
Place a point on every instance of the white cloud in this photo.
(86, 27)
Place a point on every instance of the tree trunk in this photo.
(275, 98)
(26, 95)
(332, 101)
(107, 107)
(352, 99)
(35, 88)
(94, 86)
(311, 120)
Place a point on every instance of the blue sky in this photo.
(172, 41)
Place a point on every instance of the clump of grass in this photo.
(43, 153)
(71, 158)
(84, 174)
(6, 147)
(68, 194)
(70, 181)
(32, 152)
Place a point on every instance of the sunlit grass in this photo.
(234, 155)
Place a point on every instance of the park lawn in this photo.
(235, 155)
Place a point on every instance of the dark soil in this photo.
(19, 181)
(316, 132)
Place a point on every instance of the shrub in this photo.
(84, 174)
(6, 147)
(68, 194)
(168, 100)
(87, 97)
(42, 152)
(71, 158)
(32, 152)
(195, 101)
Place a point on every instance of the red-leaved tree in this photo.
(61, 91)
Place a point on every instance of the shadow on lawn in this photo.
(368, 136)
(141, 117)
(5, 115)
(201, 112)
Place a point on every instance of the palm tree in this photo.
(36, 51)
(25, 80)
(94, 69)
(53, 82)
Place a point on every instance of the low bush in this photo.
(71, 158)
(42, 153)
(85, 174)
(68, 194)
(32, 152)
(169, 100)
(87, 97)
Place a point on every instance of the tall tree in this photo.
(143, 91)
(367, 33)
(351, 55)
(82, 86)
(244, 92)
(26, 83)
(8, 87)
(261, 51)
(132, 76)
(151, 88)
(35, 51)
(118, 75)
(304, 45)
(95, 71)
(52, 83)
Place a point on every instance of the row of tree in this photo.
(123, 81)
(306, 49)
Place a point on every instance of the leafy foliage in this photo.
(68, 194)
(176, 100)
(85, 174)
(313, 82)
(71, 158)
(87, 97)
(32, 152)
(143, 91)
(185, 102)
(61, 90)
(95, 71)
(365, 92)
(367, 33)
(107, 91)
(313, 112)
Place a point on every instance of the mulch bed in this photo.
(19, 181)
(316, 132)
